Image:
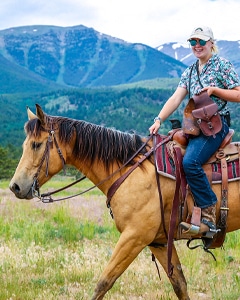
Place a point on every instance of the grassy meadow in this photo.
(58, 251)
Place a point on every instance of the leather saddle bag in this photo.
(208, 119)
(190, 125)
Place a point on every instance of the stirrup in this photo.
(189, 228)
(194, 229)
(212, 229)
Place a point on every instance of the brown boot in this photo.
(208, 219)
(207, 226)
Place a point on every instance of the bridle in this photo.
(49, 145)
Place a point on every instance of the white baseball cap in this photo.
(203, 33)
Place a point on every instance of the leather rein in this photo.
(46, 197)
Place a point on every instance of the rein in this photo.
(113, 188)
(46, 197)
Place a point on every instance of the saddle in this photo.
(222, 167)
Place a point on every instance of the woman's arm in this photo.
(231, 95)
(169, 107)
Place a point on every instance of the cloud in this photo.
(151, 22)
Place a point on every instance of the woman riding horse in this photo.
(217, 77)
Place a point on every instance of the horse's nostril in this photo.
(15, 188)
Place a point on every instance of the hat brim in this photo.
(199, 36)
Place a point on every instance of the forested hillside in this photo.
(131, 109)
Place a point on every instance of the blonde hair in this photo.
(214, 47)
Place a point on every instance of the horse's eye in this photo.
(36, 146)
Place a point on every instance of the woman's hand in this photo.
(209, 90)
(155, 127)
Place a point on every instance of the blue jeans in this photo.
(198, 151)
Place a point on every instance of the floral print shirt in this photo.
(218, 72)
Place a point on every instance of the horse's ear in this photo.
(40, 114)
(31, 115)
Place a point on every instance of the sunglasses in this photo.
(200, 42)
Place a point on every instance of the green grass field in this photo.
(58, 251)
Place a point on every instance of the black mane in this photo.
(92, 141)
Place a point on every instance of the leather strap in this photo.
(121, 179)
(222, 222)
(113, 188)
(159, 188)
(175, 206)
(196, 216)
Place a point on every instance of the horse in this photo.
(104, 155)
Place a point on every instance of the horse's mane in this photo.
(92, 141)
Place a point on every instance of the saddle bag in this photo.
(208, 119)
(190, 125)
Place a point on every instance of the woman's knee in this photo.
(190, 165)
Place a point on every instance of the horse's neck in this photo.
(98, 174)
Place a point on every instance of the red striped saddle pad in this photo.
(166, 165)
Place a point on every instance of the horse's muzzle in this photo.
(20, 193)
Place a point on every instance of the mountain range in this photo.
(38, 58)
(79, 57)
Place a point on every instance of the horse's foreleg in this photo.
(177, 280)
(126, 250)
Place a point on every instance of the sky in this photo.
(150, 22)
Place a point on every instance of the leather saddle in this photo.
(216, 169)
(228, 152)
